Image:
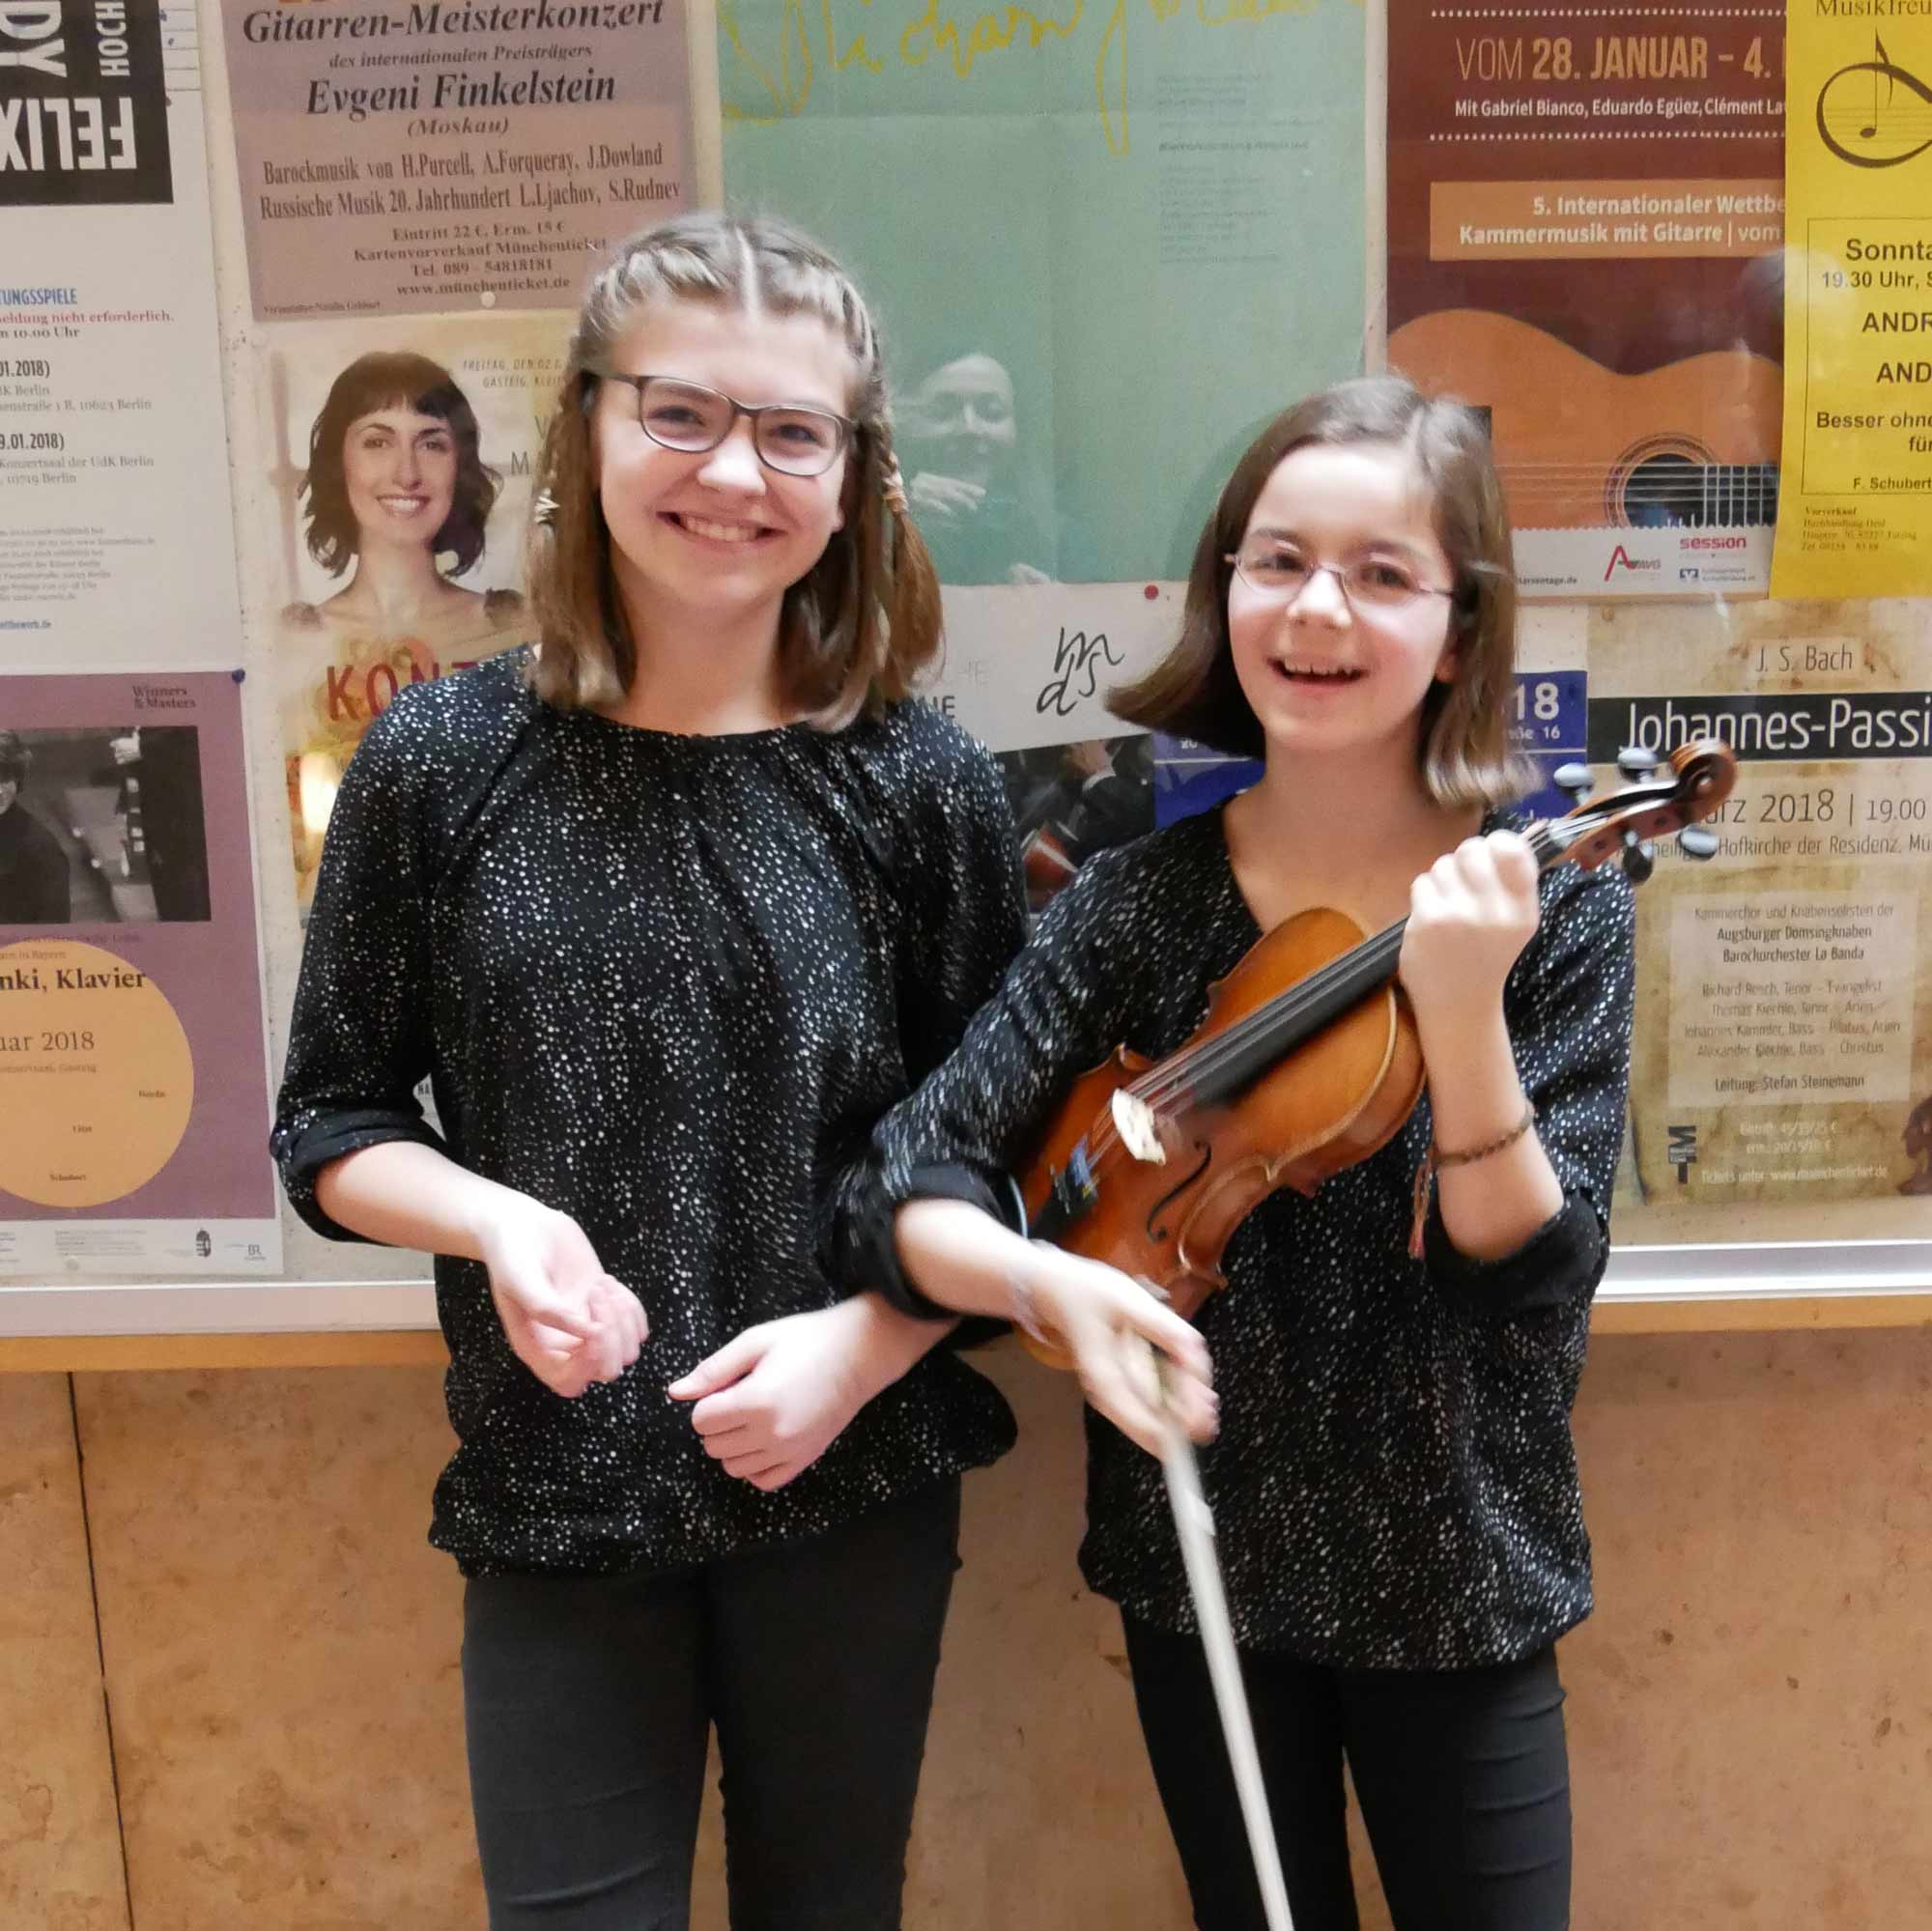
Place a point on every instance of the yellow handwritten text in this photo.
(1109, 70)
(784, 87)
(1247, 10)
(855, 53)
(987, 35)
(787, 96)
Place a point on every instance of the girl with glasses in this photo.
(669, 908)
(1393, 1482)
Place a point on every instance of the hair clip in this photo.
(544, 509)
(893, 488)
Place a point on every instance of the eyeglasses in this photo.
(686, 416)
(1279, 571)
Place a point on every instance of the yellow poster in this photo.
(1855, 519)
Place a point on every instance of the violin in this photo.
(1046, 864)
(1307, 1062)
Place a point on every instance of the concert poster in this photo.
(116, 537)
(390, 468)
(451, 154)
(1071, 227)
(1783, 1055)
(133, 1067)
(1855, 519)
(1585, 226)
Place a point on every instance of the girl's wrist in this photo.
(1475, 1091)
(1467, 1038)
(1036, 1284)
(887, 1340)
(489, 1208)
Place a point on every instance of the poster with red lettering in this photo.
(393, 492)
(1585, 228)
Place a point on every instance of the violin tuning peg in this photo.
(1572, 779)
(1695, 843)
(1640, 859)
(1633, 761)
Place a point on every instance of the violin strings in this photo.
(1371, 963)
(1269, 1032)
(1373, 960)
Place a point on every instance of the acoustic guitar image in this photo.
(1582, 447)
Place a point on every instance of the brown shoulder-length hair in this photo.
(382, 381)
(1465, 754)
(856, 630)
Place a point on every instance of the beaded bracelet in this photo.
(1435, 1159)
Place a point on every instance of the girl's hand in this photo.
(566, 1320)
(770, 1403)
(1470, 914)
(1107, 1321)
(943, 500)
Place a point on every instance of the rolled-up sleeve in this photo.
(360, 1038)
(965, 1130)
(1569, 1003)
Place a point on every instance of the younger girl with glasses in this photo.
(1394, 1484)
(669, 909)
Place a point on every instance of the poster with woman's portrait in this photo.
(401, 488)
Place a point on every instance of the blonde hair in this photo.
(1466, 756)
(856, 630)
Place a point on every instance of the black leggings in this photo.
(1463, 1776)
(589, 1700)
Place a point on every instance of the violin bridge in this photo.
(1134, 1122)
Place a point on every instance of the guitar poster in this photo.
(1856, 519)
(435, 158)
(1585, 226)
(133, 1067)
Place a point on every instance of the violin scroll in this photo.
(1654, 803)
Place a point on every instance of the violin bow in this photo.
(1194, 1526)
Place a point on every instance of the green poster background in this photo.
(1105, 244)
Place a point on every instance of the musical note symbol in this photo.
(1882, 65)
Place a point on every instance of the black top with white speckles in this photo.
(1394, 1484)
(666, 984)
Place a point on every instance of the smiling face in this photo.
(714, 536)
(1320, 675)
(399, 476)
(960, 419)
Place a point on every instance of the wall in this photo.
(1750, 1721)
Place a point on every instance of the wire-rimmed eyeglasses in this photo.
(1279, 571)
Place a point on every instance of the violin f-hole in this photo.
(1206, 1149)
